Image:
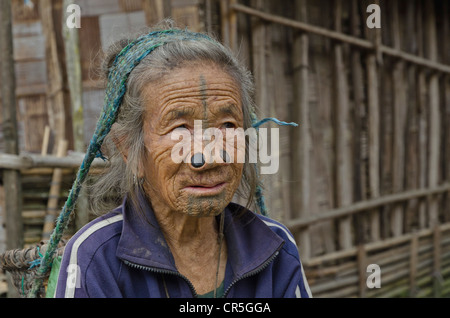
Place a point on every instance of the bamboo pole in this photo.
(301, 139)
(367, 205)
(29, 161)
(11, 178)
(55, 187)
(399, 121)
(373, 129)
(435, 119)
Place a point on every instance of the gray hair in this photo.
(119, 179)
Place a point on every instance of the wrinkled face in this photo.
(189, 95)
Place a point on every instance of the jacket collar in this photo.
(250, 243)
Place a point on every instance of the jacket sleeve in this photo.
(290, 269)
(292, 274)
(88, 272)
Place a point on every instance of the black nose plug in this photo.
(198, 160)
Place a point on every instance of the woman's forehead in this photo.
(193, 85)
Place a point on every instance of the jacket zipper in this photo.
(164, 272)
(257, 270)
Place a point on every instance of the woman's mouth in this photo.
(206, 189)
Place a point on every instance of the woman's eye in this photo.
(228, 125)
(181, 127)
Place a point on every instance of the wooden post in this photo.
(362, 270)
(53, 198)
(57, 106)
(73, 67)
(344, 149)
(301, 139)
(414, 254)
(437, 276)
(11, 178)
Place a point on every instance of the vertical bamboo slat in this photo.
(398, 149)
(373, 123)
(434, 120)
(301, 143)
(344, 151)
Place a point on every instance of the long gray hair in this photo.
(119, 179)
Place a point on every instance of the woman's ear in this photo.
(119, 141)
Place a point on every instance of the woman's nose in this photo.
(198, 160)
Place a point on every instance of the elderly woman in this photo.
(176, 232)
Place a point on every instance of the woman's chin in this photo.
(204, 206)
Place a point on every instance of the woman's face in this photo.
(201, 93)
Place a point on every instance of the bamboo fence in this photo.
(364, 179)
(366, 174)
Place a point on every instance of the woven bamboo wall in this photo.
(365, 177)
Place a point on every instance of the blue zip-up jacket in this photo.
(123, 254)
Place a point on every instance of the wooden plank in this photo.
(188, 16)
(35, 119)
(98, 7)
(114, 26)
(30, 73)
(90, 48)
(130, 5)
(29, 48)
(156, 10)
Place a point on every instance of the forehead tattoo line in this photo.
(203, 88)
